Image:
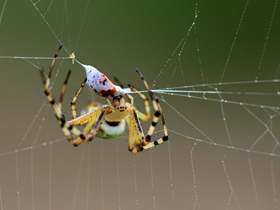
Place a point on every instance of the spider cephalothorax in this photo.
(108, 121)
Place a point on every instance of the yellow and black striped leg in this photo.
(73, 102)
(158, 112)
(94, 126)
(63, 90)
(145, 117)
(47, 87)
(136, 137)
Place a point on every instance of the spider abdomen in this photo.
(109, 131)
(98, 82)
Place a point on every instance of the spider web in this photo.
(215, 69)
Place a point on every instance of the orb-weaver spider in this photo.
(107, 119)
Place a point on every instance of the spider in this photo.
(107, 121)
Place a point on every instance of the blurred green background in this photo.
(239, 38)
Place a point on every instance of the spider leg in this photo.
(90, 116)
(63, 90)
(94, 121)
(163, 121)
(89, 131)
(73, 102)
(145, 117)
(68, 129)
(94, 125)
(136, 137)
(158, 112)
(43, 77)
(48, 93)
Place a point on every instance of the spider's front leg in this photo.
(93, 121)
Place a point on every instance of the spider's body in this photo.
(108, 121)
(108, 129)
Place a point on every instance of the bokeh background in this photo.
(209, 163)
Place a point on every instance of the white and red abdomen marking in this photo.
(98, 82)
